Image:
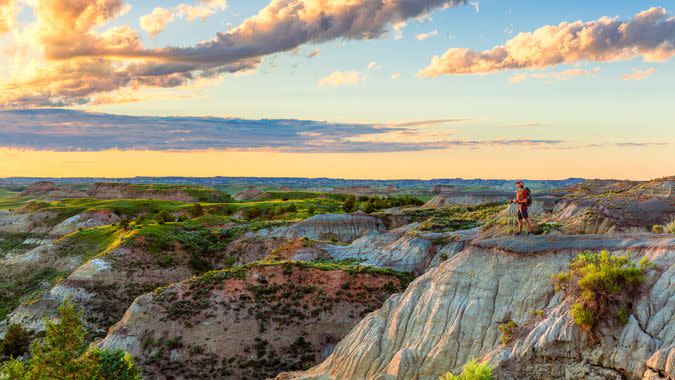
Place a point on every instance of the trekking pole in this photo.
(514, 215)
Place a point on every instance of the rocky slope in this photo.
(451, 314)
(615, 206)
(343, 228)
(248, 323)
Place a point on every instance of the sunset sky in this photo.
(337, 88)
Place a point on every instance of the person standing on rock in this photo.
(522, 200)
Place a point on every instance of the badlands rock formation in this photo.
(451, 313)
(616, 206)
(247, 323)
(343, 228)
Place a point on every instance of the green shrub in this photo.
(507, 329)
(670, 228)
(349, 204)
(116, 365)
(196, 211)
(602, 285)
(658, 228)
(16, 342)
(473, 370)
(164, 216)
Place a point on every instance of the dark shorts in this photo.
(522, 213)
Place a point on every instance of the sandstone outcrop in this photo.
(451, 313)
(467, 198)
(249, 194)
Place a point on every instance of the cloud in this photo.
(638, 74)
(555, 75)
(69, 35)
(155, 22)
(649, 34)
(313, 53)
(524, 125)
(640, 144)
(425, 36)
(68, 130)
(7, 15)
(396, 75)
(342, 78)
(372, 66)
(475, 5)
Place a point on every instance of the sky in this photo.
(337, 88)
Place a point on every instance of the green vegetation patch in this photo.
(473, 370)
(90, 242)
(603, 286)
(201, 243)
(28, 286)
(15, 242)
(456, 218)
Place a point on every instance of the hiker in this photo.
(523, 201)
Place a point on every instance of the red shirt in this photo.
(521, 198)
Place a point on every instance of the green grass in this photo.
(90, 242)
(13, 292)
(11, 200)
(14, 241)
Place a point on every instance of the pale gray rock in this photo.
(343, 228)
(451, 314)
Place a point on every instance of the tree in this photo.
(369, 208)
(196, 211)
(349, 203)
(63, 355)
(16, 342)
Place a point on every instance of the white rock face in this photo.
(344, 228)
(396, 249)
(451, 314)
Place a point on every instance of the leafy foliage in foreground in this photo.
(602, 286)
(63, 354)
(473, 370)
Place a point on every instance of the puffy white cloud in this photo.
(649, 34)
(342, 78)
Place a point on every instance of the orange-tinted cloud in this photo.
(75, 53)
(649, 34)
(155, 22)
(7, 15)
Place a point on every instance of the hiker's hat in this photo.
(519, 181)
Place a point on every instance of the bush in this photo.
(164, 217)
(349, 204)
(602, 285)
(369, 208)
(472, 370)
(63, 354)
(196, 211)
(16, 342)
(658, 228)
(670, 228)
(507, 329)
(116, 365)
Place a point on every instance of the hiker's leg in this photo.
(520, 225)
(529, 226)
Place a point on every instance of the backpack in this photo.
(529, 197)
